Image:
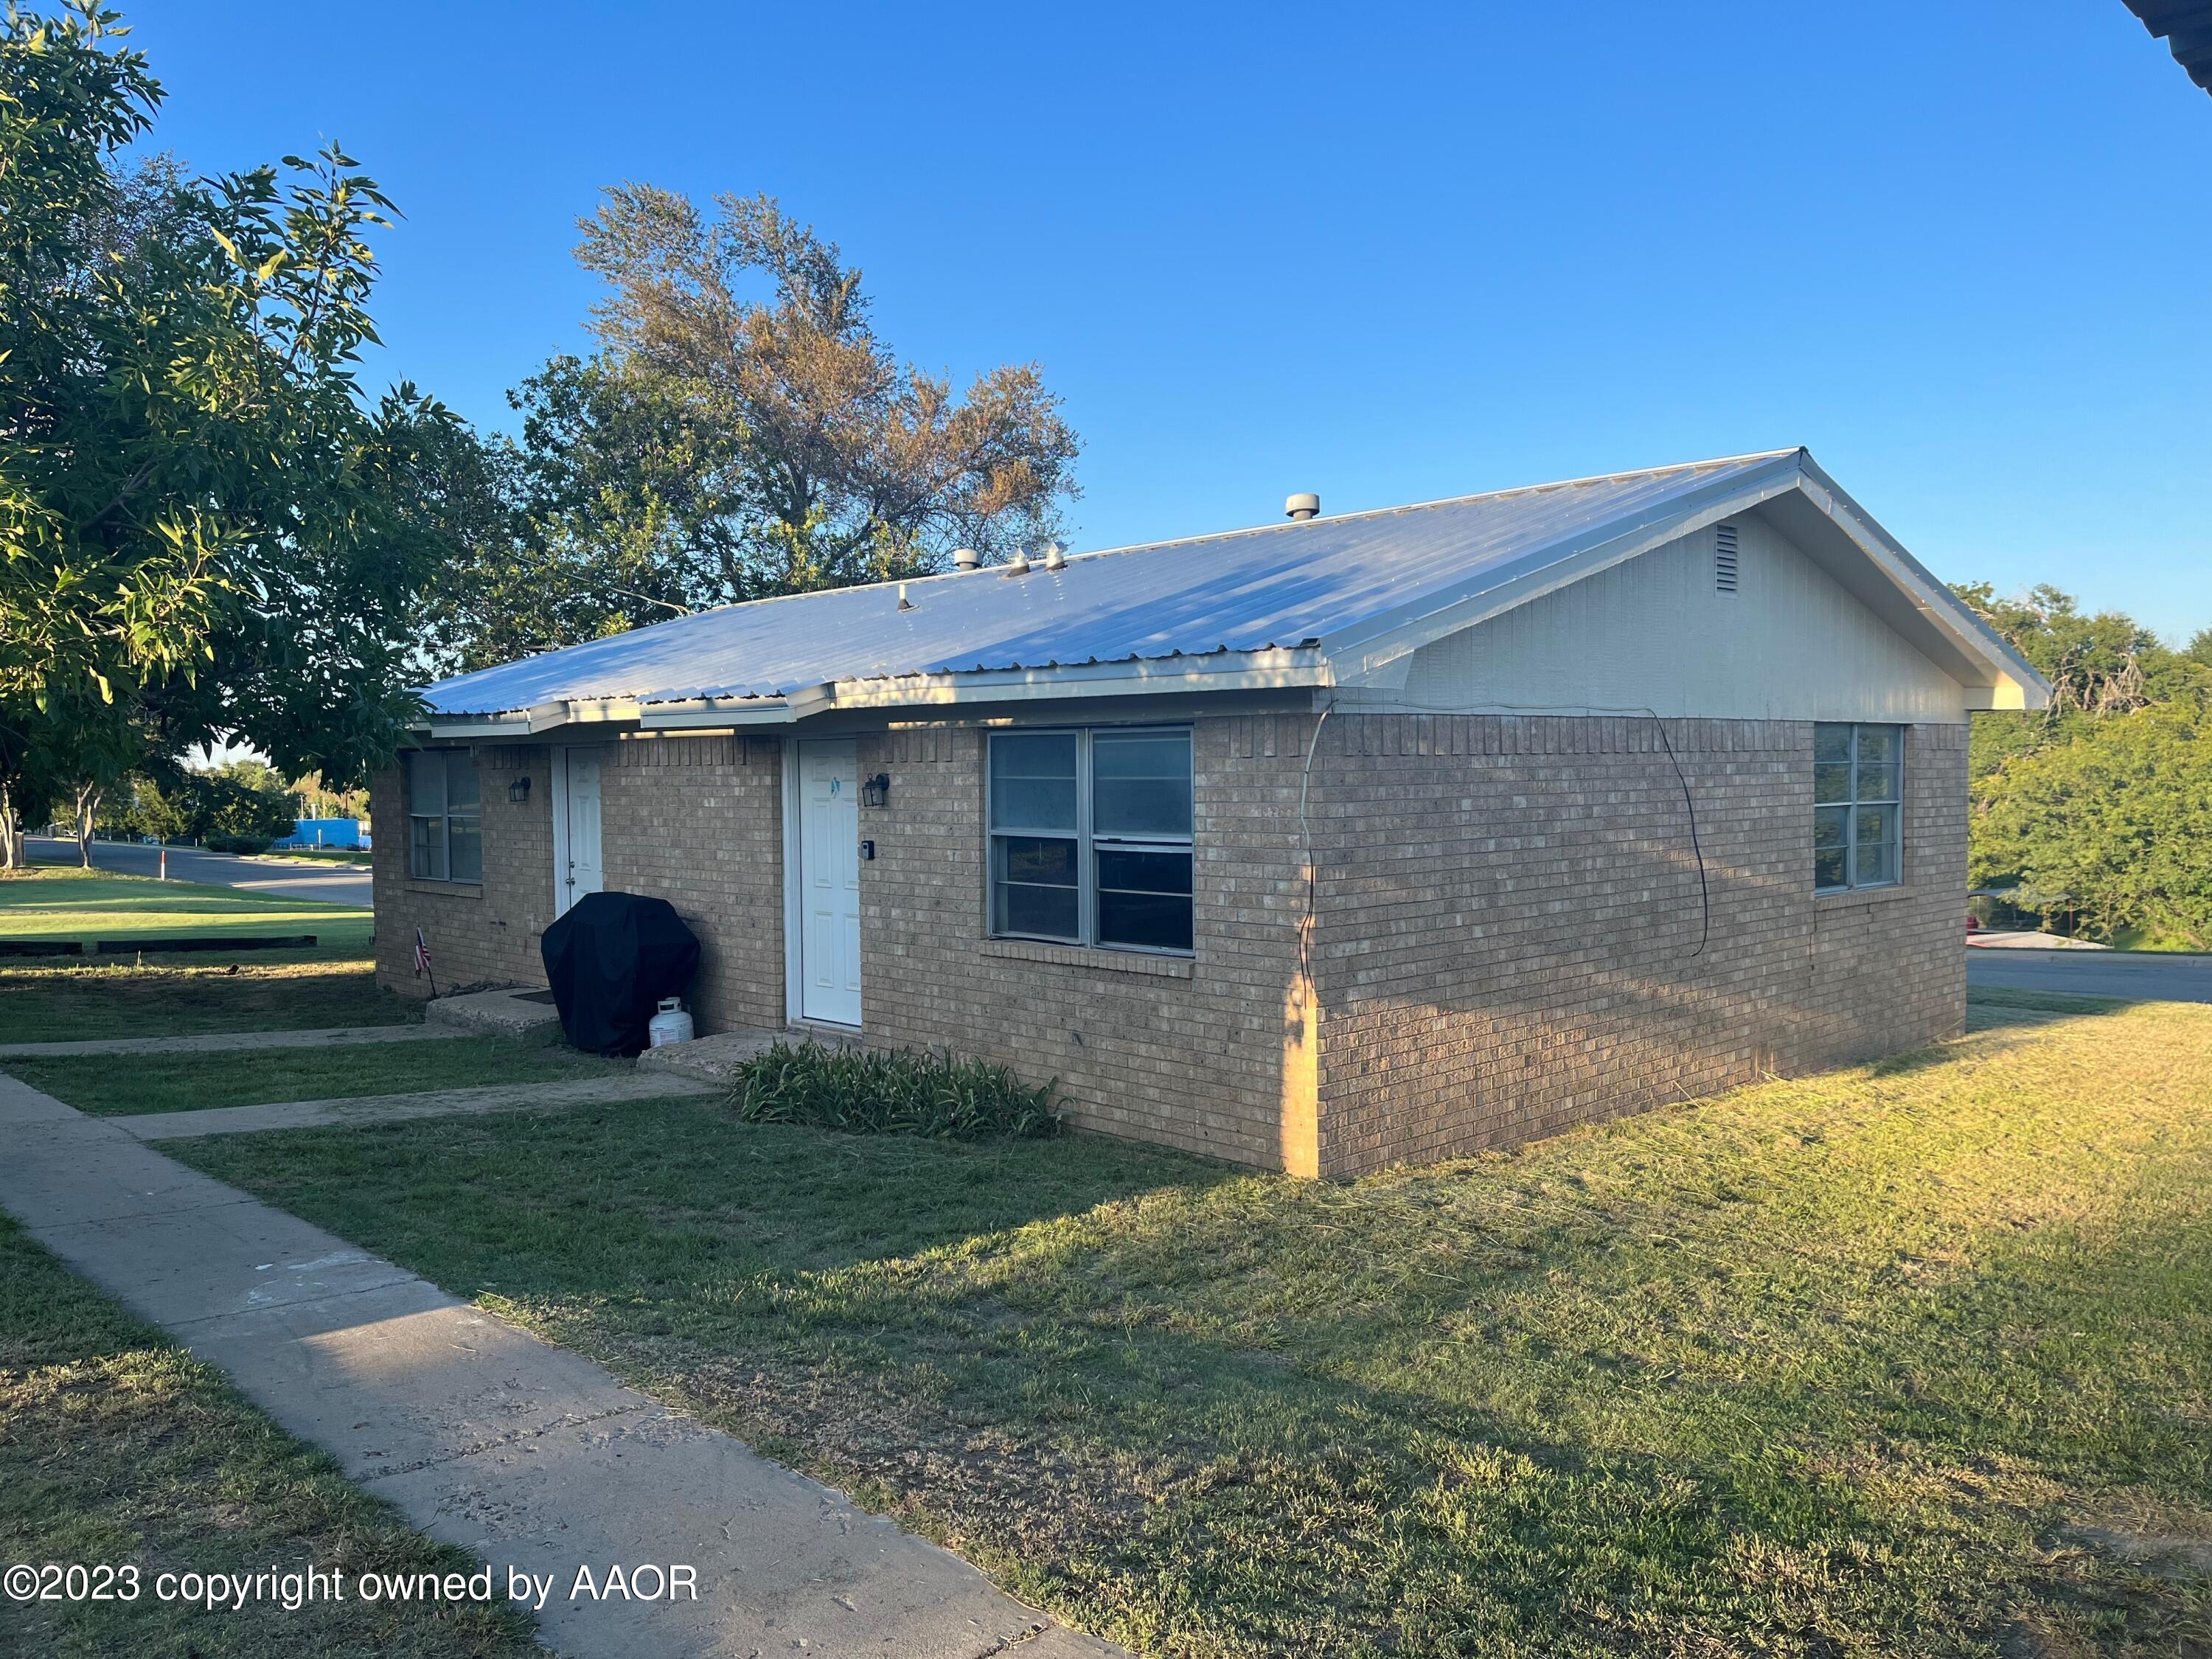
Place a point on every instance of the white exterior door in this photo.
(830, 882)
(584, 866)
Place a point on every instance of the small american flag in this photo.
(422, 954)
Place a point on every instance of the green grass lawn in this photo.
(68, 1001)
(1915, 1359)
(117, 1446)
(76, 1003)
(57, 903)
(324, 855)
(114, 1084)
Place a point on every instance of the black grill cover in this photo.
(609, 961)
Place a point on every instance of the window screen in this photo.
(1090, 836)
(444, 819)
(1858, 807)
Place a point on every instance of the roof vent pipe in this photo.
(966, 558)
(1303, 505)
(1020, 564)
(1056, 557)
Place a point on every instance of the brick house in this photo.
(1323, 846)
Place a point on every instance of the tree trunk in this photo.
(88, 807)
(11, 848)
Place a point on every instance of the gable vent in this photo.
(1725, 557)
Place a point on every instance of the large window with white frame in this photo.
(1090, 836)
(444, 815)
(1858, 807)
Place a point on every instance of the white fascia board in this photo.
(582, 711)
(2015, 683)
(474, 726)
(1296, 668)
(696, 712)
(1360, 652)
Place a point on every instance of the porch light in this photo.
(876, 791)
(519, 791)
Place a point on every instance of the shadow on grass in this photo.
(1989, 1005)
(597, 1199)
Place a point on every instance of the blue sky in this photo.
(1963, 252)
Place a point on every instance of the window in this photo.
(1090, 836)
(1858, 794)
(444, 819)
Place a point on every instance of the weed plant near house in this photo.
(930, 1095)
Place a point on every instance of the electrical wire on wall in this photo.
(1305, 838)
(1398, 704)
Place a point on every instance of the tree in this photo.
(206, 528)
(2077, 807)
(240, 802)
(615, 510)
(743, 431)
(2116, 821)
(2098, 666)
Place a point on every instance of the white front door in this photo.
(830, 882)
(584, 869)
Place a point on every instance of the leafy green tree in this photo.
(240, 801)
(2077, 806)
(615, 509)
(2114, 824)
(204, 524)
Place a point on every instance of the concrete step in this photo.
(508, 1013)
(710, 1060)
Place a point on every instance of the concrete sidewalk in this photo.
(210, 1042)
(527, 1455)
(397, 1108)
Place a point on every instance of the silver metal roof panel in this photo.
(1279, 585)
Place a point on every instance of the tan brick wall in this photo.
(1188, 1053)
(1507, 913)
(1510, 920)
(696, 821)
(478, 935)
(699, 822)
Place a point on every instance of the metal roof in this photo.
(1280, 585)
(2186, 25)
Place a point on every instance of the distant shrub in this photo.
(249, 845)
(930, 1095)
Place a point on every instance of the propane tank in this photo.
(670, 1025)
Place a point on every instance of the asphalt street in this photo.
(332, 884)
(2144, 976)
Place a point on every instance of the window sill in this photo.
(1855, 896)
(1084, 955)
(451, 889)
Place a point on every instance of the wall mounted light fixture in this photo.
(519, 791)
(876, 791)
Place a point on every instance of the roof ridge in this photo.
(1445, 501)
(1284, 525)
